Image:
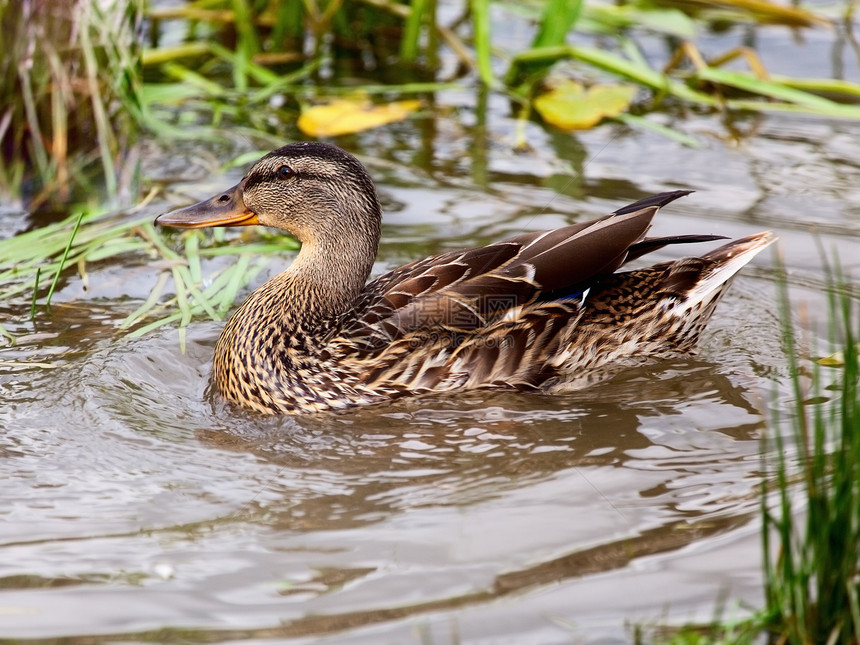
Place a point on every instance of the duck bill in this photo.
(225, 209)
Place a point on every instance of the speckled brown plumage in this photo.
(542, 311)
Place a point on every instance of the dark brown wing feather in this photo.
(659, 201)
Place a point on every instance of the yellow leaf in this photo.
(570, 106)
(345, 116)
(837, 359)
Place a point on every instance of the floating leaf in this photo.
(837, 359)
(570, 106)
(345, 116)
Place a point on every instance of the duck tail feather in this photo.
(650, 244)
(726, 261)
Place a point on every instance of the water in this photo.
(426, 512)
(136, 505)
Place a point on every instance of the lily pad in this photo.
(570, 106)
(348, 115)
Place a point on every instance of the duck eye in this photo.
(285, 172)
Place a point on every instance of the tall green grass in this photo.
(810, 499)
(69, 83)
(811, 539)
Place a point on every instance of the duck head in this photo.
(314, 191)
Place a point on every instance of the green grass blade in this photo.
(288, 20)
(35, 293)
(409, 44)
(162, 55)
(670, 133)
(260, 248)
(559, 17)
(250, 69)
(193, 79)
(181, 297)
(154, 236)
(834, 110)
(241, 278)
(63, 259)
(248, 45)
(7, 334)
(192, 255)
(619, 66)
(150, 327)
(483, 44)
(821, 85)
(753, 85)
(235, 282)
(112, 248)
(150, 302)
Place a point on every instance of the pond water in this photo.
(137, 506)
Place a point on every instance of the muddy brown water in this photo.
(137, 506)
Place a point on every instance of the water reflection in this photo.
(475, 447)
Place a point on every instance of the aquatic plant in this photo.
(255, 52)
(69, 82)
(810, 499)
(810, 539)
(34, 263)
(80, 83)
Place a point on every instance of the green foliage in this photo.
(813, 576)
(88, 238)
(810, 501)
(723, 631)
(483, 40)
(68, 83)
(556, 22)
(249, 66)
(782, 97)
(255, 52)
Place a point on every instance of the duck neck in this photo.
(326, 278)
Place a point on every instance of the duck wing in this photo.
(460, 292)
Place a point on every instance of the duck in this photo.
(543, 311)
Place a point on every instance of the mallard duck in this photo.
(541, 311)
